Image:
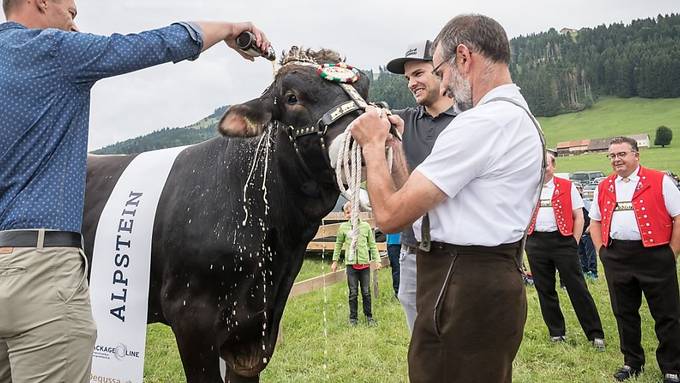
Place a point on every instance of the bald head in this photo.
(9, 5)
(42, 14)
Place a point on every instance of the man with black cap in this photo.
(422, 125)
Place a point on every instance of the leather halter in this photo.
(356, 103)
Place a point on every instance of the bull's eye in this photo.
(292, 99)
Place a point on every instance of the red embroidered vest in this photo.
(654, 222)
(561, 204)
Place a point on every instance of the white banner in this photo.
(121, 264)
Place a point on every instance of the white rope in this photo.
(349, 162)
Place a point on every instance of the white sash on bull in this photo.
(121, 264)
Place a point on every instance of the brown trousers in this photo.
(472, 308)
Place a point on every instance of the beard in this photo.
(460, 89)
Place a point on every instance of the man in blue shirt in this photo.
(47, 69)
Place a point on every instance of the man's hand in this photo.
(237, 29)
(578, 240)
(214, 32)
(377, 266)
(371, 129)
(334, 266)
(398, 123)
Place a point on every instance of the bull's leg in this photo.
(196, 343)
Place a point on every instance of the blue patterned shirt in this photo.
(45, 81)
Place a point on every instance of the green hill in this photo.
(614, 117)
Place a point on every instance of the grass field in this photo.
(378, 354)
(614, 117)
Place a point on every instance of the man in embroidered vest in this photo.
(555, 231)
(635, 226)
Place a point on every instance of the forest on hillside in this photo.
(566, 71)
(559, 72)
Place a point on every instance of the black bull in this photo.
(205, 264)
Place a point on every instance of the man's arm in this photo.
(675, 236)
(578, 224)
(400, 170)
(392, 209)
(215, 32)
(86, 58)
(596, 234)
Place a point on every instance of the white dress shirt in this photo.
(624, 226)
(488, 162)
(545, 219)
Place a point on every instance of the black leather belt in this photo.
(451, 247)
(29, 238)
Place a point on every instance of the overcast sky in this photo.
(369, 35)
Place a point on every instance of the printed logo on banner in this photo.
(120, 352)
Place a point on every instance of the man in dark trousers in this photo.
(422, 125)
(552, 245)
(475, 192)
(635, 226)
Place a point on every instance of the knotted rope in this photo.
(349, 162)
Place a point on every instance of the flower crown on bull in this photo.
(329, 65)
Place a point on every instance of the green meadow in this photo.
(378, 354)
(614, 117)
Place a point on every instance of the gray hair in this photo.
(625, 140)
(479, 33)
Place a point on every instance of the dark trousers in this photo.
(354, 279)
(472, 308)
(631, 270)
(393, 254)
(586, 253)
(552, 251)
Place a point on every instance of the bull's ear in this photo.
(245, 120)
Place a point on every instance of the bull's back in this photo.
(102, 174)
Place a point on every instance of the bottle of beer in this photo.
(247, 43)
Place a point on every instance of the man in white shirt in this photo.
(478, 188)
(552, 245)
(635, 226)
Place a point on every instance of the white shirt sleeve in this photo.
(671, 197)
(576, 200)
(594, 212)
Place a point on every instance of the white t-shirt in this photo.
(545, 219)
(488, 162)
(624, 225)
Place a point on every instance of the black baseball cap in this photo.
(419, 51)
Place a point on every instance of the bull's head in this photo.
(297, 99)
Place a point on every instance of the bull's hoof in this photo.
(233, 378)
